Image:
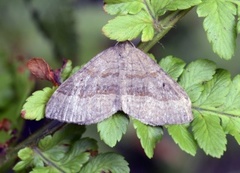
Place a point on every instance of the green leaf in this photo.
(172, 66)
(181, 5)
(34, 107)
(6, 93)
(21, 165)
(209, 134)
(161, 7)
(56, 153)
(238, 14)
(220, 25)
(37, 160)
(66, 133)
(231, 125)
(40, 170)
(148, 135)
(64, 151)
(83, 145)
(55, 147)
(75, 69)
(147, 33)
(46, 142)
(66, 71)
(215, 91)
(122, 7)
(183, 138)
(231, 110)
(25, 153)
(70, 155)
(5, 136)
(107, 162)
(26, 156)
(232, 102)
(194, 75)
(59, 149)
(152, 57)
(45, 170)
(128, 27)
(221, 98)
(112, 129)
(77, 155)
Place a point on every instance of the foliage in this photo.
(15, 86)
(148, 135)
(35, 107)
(213, 93)
(142, 17)
(209, 91)
(112, 129)
(66, 151)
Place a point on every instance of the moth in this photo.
(121, 78)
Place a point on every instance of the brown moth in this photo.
(121, 78)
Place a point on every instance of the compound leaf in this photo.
(220, 25)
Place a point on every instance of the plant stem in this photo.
(165, 25)
(32, 140)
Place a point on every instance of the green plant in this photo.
(214, 95)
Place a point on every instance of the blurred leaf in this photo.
(6, 93)
(107, 162)
(64, 151)
(74, 70)
(25, 153)
(15, 85)
(112, 129)
(148, 135)
(44, 170)
(67, 69)
(69, 157)
(4, 137)
(67, 132)
(79, 154)
(220, 25)
(147, 33)
(26, 156)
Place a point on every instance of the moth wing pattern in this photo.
(150, 95)
(90, 95)
(121, 78)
